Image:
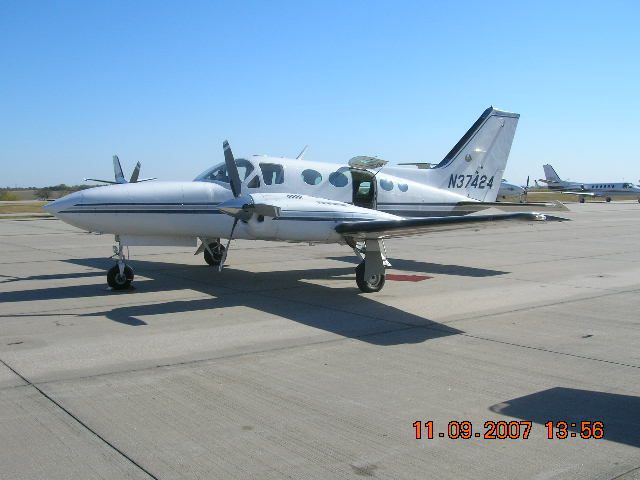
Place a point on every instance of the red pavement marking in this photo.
(407, 278)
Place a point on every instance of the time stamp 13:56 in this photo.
(515, 429)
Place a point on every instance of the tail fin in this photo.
(475, 165)
(135, 174)
(117, 170)
(550, 174)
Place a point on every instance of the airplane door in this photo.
(364, 188)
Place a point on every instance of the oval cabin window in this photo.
(338, 179)
(386, 184)
(311, 177)
(403, 187)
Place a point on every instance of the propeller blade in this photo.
(232, 170)
(135, 174)
(226, 251)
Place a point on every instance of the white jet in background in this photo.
(268, 198)
(608, 190)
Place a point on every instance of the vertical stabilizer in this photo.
(117, 170)
(550, 174)
(475, 165)
(135, 174)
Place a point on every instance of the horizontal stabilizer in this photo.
(420, 165)
(416, 226)
(110, 182)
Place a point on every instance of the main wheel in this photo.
(581, 199)
(118, 281)
(371, 284)
(608, 199)
(218, 252)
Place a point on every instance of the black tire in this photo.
(218, 252)
(117, 281)
(608, 199)
(582, 200)
(371, 285)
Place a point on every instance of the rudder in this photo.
(475, 165)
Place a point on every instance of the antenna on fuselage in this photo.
(302, 152)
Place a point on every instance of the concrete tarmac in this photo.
(279, 367)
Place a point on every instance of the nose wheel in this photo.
(214, 253)
(120, 276)
(120, 281)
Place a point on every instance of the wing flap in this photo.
(417, 226)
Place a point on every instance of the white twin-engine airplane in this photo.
(267, 198)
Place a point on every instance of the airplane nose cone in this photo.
(57, 207)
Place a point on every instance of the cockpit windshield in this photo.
(219, 172)
(627, 185)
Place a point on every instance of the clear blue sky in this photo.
(166, 82)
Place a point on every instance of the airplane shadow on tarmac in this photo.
(432, 268)
(620, 414)
(288, 294)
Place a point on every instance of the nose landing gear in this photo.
(214, 253)
(120, 276)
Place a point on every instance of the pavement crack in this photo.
(79, 421)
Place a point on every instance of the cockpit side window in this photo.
(272, 173)
(254, 183)
(244, 168)
(219, 172)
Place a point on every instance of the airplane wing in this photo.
(415, 226)
(554, 205)
(584, 194)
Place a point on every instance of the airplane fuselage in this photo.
(176, 213)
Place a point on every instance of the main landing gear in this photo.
(370, 284)
(370, 273)
(120, 276)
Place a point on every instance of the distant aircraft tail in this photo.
(475, 165)
(117, 170)
(135, 173)
(550, 174)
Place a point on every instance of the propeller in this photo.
(236, 189)
(240, 207)
(526, 191)
(232, 170)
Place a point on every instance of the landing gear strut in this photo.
(214, 253)
(120, 276)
